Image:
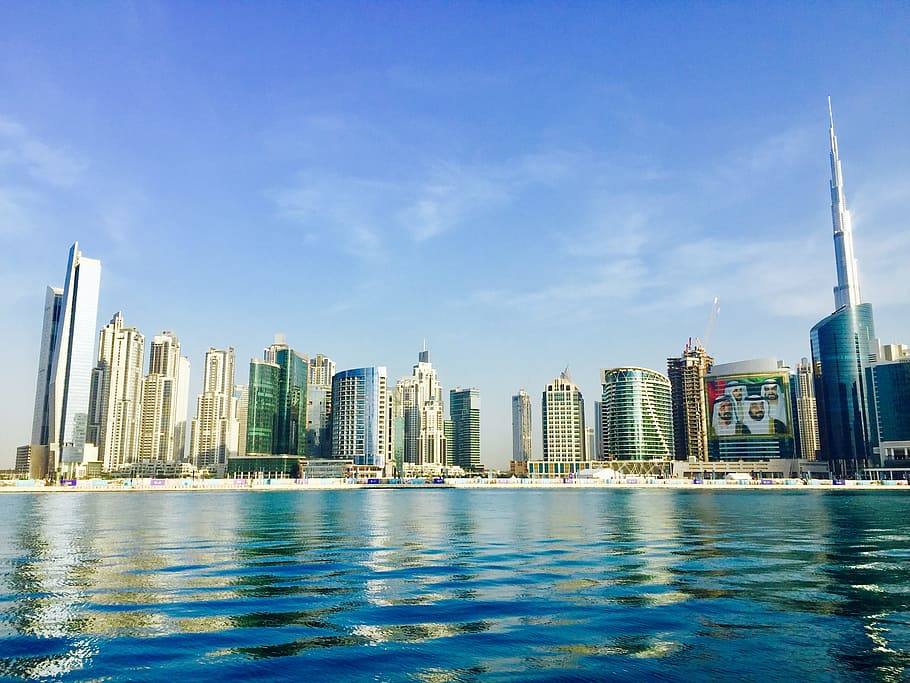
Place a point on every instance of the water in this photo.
(445, 585)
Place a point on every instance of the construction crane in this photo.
(705, 341)
(712, 321)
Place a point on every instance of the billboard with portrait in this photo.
(753, 406)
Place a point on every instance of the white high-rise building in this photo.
(215, 427)
(70, 345)
(424, 415)
(165, 395)
(563, 411)
(242, 394)
(116, 393)
(521, 426)
(322, 368)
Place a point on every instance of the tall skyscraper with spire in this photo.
(843, 345)
(846, 293)
(424, 419)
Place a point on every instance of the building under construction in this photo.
(687, 391)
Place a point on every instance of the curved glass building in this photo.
(637, 415)
(843, 344)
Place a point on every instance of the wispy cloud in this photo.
(364, 211)
(43, 162)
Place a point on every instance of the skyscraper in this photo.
(290, 422)
(637, 415)
(464, 407)
(521, 426)
(116, 394)
(214, 429)
(843, 345)
(53, 305)
(806, 416)
(690, 414)
(165, 393)
(424, 417)
(262, 408)
(563, 411)
(322, 368)
(891, 379)
(70, 344)
(360, 416)
(319, 407)
(242, 396)
(598, 453)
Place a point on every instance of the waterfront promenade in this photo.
(302, 485)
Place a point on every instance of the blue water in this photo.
(445, 585)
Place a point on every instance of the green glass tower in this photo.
(290, 419)
(464, 406)
(262, 408)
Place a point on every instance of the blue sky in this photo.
(528, 186)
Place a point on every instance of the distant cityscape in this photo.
(101, 409)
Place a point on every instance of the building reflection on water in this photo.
(560, 580)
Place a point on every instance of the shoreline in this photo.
(215, 485)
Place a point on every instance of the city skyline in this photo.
(635, 278)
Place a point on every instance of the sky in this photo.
(527, 186)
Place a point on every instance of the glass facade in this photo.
(262, 408)
(74, 358)
(269, 466)
(292, 404)
(53, 305)
(359, 416)
(318, 421)
(892, 400)
(842, 347)
(464, 407)
(637, 415)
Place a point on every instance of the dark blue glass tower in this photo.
(842, 345)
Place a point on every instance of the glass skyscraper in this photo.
(53, 305)
(637, 415)
(290, 426)
(262, 408)
(360, 416)
(842, 346)
(892, 408)
(73, 358)
(464, 407)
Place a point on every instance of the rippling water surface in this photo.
(443, 585)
